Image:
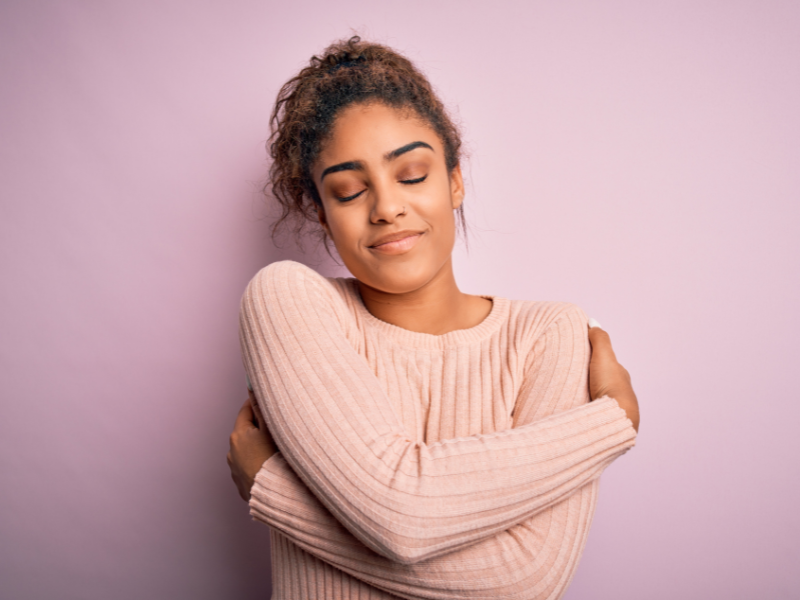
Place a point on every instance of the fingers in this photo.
(256, 411)
(245, 417)
(600, 341)
(260, 418)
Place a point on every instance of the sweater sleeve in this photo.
(532, 560)
(405, 500)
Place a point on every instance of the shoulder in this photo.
(292, 286)
(289, 277)
(534, 321)
(285, 272)
(539, 315)
(548, 330)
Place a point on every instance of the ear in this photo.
(456, 187)
(323, 219)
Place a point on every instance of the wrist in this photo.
(257, 465)
(629, 403)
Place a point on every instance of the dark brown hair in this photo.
(348, 72)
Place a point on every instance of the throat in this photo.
(431, 315)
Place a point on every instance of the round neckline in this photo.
(491, 323)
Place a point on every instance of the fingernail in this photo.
(593, 323)
(249, 387)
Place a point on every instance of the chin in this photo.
(397, 278)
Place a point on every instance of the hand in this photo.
(609, 378)
(251, 445)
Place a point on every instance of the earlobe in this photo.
(322, 220)
(456, 187)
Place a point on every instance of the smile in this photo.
(398, 246)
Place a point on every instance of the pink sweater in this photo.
(411, 465)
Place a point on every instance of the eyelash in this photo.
(404, 181)
(353, 197)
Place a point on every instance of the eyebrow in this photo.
(352, 165)
(407, 148)
(357, 165)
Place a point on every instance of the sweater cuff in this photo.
(265, 481)
(615, 412)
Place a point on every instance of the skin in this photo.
(414, 289)
(383, 171)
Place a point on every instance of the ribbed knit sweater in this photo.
(462, 465)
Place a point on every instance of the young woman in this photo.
(416, 441)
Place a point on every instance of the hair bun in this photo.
(350, 54)
(345, 61)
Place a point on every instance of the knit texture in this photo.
(411, 465)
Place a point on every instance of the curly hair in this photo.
(348, 72)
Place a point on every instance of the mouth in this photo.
(398, 246)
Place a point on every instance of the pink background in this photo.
(640, 159)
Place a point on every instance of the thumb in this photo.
(244, 419)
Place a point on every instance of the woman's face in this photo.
(382, 176)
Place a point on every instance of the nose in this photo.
(387, 205)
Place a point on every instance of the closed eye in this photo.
(353, 197)
(403, 181)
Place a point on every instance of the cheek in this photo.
(438, 208)
(345, 230)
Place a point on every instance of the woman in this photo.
(427, 443)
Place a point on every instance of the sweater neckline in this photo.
(497, 315)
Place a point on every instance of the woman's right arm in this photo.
(530, 560)
(336, 429)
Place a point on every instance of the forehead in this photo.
(368, 131)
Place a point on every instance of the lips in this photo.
(393, 237)
(397, 243)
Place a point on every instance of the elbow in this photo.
(409, 548)
(400, 549)
(404, 555)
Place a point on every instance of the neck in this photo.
(437, 307)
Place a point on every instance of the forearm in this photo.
(530, 560)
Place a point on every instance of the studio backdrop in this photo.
(639, 159)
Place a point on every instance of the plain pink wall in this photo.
(640, 159)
